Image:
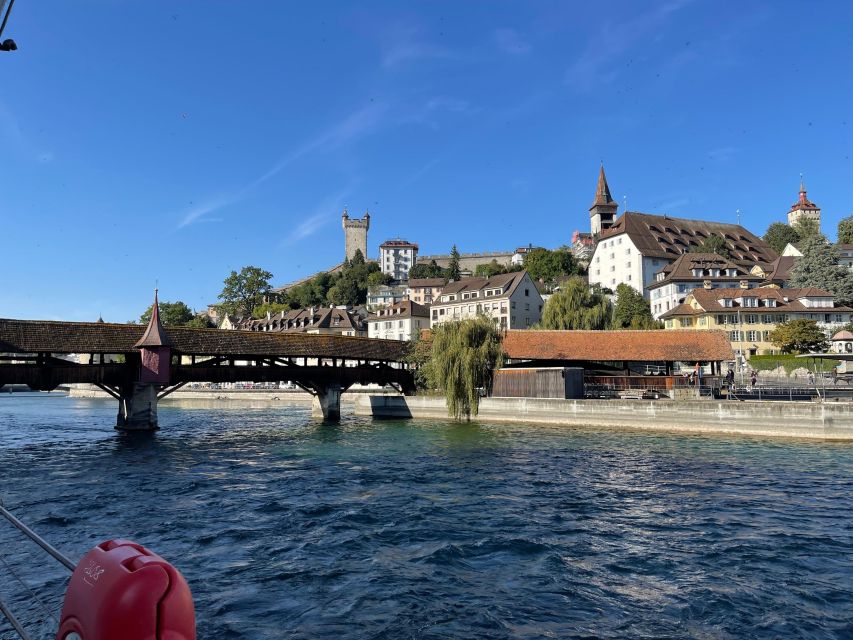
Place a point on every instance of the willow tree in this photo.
(575, 306)
(464, 355)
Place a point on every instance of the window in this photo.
(838, 317)
(750, 302)
(734, 336)
(770, 302)
(512, 304)
(752, 336)
(400, 324)
(527, 292)
(441, 312)
(752, 318)
(387, 325)
(727, 302)
(527, 306)
(527, 322)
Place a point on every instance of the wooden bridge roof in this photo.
(619, 346)
(46, 336)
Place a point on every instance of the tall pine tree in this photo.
(819, 268)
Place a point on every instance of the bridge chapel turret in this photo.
(355, 234)
(602, 213)
(155, 349)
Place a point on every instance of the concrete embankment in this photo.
(832, 421)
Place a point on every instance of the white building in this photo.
(510, 299)
(697, 271)
(385, 295)
(636, 246)
(402, 321)
(396, 257)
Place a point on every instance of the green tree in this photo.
(712, 244)
(453, 270)
(779, 235)
(420, 355)
(489, 269)
(547, 266)
(807, 228)
(819, 268)
(845, 230)
(799, 336)
(172, 314)
(245, 290)
(631, 310)
(576, 307)
(273, 308)
(430, 270)
(464, 355)
(378, 278)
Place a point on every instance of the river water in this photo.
(288, 528)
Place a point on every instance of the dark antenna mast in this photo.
(6, 45)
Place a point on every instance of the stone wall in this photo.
(830, 421)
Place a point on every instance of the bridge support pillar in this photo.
(327, 402)
(137, 408)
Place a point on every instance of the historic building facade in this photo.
(396, 257)
(803, 208)
(511, 300)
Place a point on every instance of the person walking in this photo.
(753, 378)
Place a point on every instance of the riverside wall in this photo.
(830, 421)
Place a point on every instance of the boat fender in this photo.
(122, 591)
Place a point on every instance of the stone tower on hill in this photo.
(355, 234)
(803, 208)
(603, 210)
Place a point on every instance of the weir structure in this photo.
(138, 365)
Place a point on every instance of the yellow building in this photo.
(749, 315)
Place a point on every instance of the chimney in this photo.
(707, 284)
(744, 284)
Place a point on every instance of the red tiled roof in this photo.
(709, 301)
(615, 346)
(508, 280)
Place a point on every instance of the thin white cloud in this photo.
(596, 65)
(404, 44)
(510, 41)
(322, 214)
(357, 124)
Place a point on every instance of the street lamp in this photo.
(8, 44)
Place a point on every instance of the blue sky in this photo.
(153, 141)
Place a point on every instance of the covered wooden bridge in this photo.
(623, 359)
(154, 362)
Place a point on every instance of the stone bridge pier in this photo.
(327, 402)
(137, 408)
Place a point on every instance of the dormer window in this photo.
(770, 302)
(697, 273)
(750, 302)
(728, 302)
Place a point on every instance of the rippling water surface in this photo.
(289, 528)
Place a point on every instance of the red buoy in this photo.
(122, 591)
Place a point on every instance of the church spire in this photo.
(155, 335)
(602, 191)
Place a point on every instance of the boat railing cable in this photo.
(32, 535)
(16, 625)
(49, 549)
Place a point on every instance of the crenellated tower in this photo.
(355, 234)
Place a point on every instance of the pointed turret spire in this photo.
(803, 198)
(602, 191)
(155, 335)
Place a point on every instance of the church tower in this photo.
(803, 208)
(603, 210)
(355, 234)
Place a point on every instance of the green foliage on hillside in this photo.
(176, 314)
(429, 270)
(548, 265)
(244, 291)
(779, 235)
(845, 230)
(819, 268)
